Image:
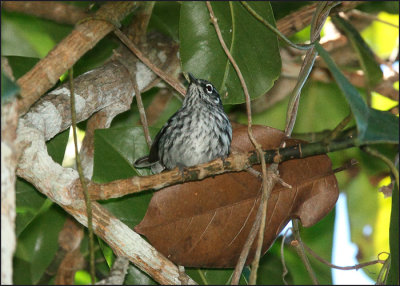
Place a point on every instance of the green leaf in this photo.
(253, 46)
(165, 18)
(107, 252)
(9, 89)
(21, 272)
(393, 276)
(137, 277)
(96, 56)
(373, 126)
(21, 65)
(284, 8)
(270, 269)
(365, 55)
(207, 276)
(56, 146)
(29, 201)
(30, 36)
(38, 244)
(115, 150)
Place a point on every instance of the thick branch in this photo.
(9, 159)
(298, 20)
(234, 163)
(85, 36)
(94, 90)
(51, 10)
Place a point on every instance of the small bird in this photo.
(198, 132)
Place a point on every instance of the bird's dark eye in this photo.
(209, 88)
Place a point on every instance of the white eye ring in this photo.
(209, 88)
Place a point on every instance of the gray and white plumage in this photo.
(198, 132)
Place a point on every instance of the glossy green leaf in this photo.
(373, 126)
(131, 118)
(82, 277)
(96, 56)
(21, 65)
(365, 55)
(30, 36)
(21, 272)
(165, 18)
(284, 8)
(38, 244)
(253, 46)
(107, 252)
(137, 277)
(56, 146)
(9, 89)
(12, 40)
(29, 201)
(115, 150)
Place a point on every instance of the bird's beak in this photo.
(192, 79)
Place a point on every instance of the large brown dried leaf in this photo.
(205, 223)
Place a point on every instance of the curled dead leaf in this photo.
(206, 223)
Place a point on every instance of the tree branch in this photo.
(52, 10)
(94, 91)
(85, 36)
(234, 163)
(298, 20)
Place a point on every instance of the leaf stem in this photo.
(275, 30)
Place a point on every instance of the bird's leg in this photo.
(181, 168)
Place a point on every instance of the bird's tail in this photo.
(143, 162)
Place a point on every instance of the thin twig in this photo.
(142, 112)
(319, 18)
(266, 191)
(384, 273)
(86, 194)
(388, 162)
(137, 30)
(275, 30)
(299, 246)
(233, 163)
(46, 73)
(246, 247)
(170, 80)
(354, 267)
(285, 270)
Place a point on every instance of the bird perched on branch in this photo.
(198, 132)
